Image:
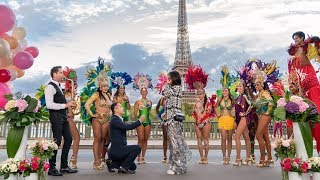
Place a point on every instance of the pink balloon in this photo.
(7, 19)
(4, 90)
(23, 60)
(33, 51)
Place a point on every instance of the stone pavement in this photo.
(156, 170)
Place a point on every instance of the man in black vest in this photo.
(56, 104)
(121, 155)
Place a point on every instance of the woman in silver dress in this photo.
(179, 151)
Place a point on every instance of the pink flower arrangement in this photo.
(295, 165)
(24, 111)
(284, 148)
(21, 104)
(33, 165)
(43, 148)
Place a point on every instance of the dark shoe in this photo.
(125, 171)
(68, 170)
(54, 172)
(109, 164)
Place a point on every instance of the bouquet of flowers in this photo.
(43, 148)
(284, 148)
(10, 166)
(24, 111)
(297, 109)
(314, 163)
(33, 165)
(20, 113)
(295, 165)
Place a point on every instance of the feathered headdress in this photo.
(103, 79)
(196, 77)
(255, 71)
(70, 74)
(227, 80)
(162, 81)
(103, 70)
(120, 79)
(142, 81)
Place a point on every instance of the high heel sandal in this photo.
(201, 160)
(97, 166)
(225, 161)
(248, 162)
(270, 162)
(263, 164)
(143, 161)
(103, 161)
(164, 159)
(253, 159)
(238, 162)
(205, 160)
(73, 162)
(139, 160)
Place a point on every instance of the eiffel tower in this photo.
(183, 57)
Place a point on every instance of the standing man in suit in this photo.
(57, 104)
(121, 155)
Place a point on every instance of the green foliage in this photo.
(13, 140)
(307, 137)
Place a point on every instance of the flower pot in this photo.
(13, 177)
(21, 153)
(296, 176)
(316, 175)
(301, 150)
(33, 176)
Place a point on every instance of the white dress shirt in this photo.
(49, 92)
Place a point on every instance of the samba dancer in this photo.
(71, 75)
(197, 79)
(143, 107)
(119, 81)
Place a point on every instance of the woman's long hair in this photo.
(205, 101)
(176, 78)
(118, 92)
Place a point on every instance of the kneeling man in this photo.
(121, 155)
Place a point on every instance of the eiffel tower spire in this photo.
(183, 57)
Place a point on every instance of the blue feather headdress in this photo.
(120, 79)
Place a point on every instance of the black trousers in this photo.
(60, 127)
(124, 156)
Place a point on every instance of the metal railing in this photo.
(43, 130)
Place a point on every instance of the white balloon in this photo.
(19, 33)
(4, 48)
(23, 44)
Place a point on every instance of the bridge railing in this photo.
(43, 130)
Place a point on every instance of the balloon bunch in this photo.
(15, 54)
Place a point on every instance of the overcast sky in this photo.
(140, 35)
